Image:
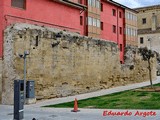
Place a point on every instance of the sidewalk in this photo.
(41, 113)
(94, 94)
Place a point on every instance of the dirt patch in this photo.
(149, 89)
(90, 107)
(144, 97)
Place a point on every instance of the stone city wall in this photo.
(63, 63)
(0, 80)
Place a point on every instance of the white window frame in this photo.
(94, 22)
(90, 21)
(90, 2)
(98, 23)
(97, 4)
(93, 3)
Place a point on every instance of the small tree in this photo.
(146, 56)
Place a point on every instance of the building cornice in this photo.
(148, 31)
(122, 6)
(153, 7)
(72, 4)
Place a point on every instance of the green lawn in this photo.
(157, 84)
(123, 100)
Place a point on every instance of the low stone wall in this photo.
(63, 63)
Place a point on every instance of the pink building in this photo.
(106, 20)
(112, 18)
(54, 13)
(96, 18)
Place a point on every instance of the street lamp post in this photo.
(24, 56)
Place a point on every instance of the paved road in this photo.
(66, 114)
(36, 111)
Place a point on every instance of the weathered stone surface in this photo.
(0, 80)
(69, 65)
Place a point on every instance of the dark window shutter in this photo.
(18, 3)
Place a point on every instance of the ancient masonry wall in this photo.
(0, 80)
(63, 63)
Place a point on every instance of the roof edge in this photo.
(73, 4)
(151, 6)
(123, 6)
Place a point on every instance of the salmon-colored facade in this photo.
(96, 18)
(51, 13)
(112, 17)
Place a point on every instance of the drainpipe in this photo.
(117, 28)
(86, 18)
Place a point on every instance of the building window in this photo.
(130, 15)
(94, 3)
(121, 47)
(120, 15)
(134, 17)
(114, 29)
(141, 40)
(136, 32)
(81, 20)
(90, 21)
(97, 3)
(18, 3)
(144, 21)
(126, 31)
(120, 30)
(126, 15)
(113, 12)
(98, 23)
(132, 32)
(101, 7)
(90, 2)
(101, 25)
(94, 22)
(129, 31)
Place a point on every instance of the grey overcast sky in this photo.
(138, 3)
